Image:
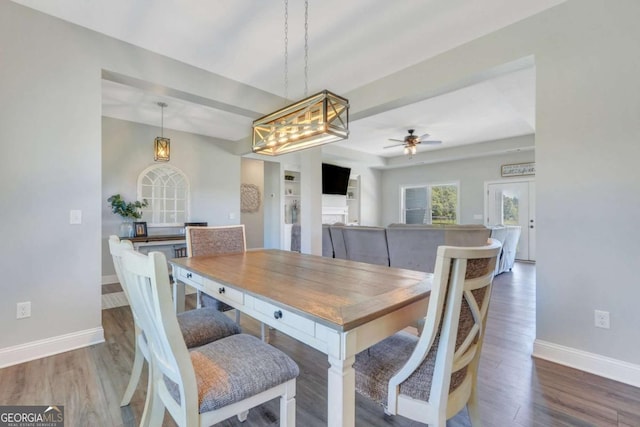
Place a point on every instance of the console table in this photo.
(165, 240)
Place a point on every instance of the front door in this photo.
(513, 203)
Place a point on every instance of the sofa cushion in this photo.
(327, 246)
(414, 248)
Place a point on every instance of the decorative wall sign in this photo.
(519, 169)
(249, 198)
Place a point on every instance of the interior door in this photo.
(513, 203)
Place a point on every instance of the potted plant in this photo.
(128, 211)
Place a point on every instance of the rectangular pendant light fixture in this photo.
(162, 149)
(161, 145)
(319, 119)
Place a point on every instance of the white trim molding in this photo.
(49, 346)
(108, 279)
(614, 369)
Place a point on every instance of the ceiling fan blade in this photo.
(432, 142)
(393, 139)
(394, 145)
(425, 136)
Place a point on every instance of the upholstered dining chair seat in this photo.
(235, 368)
(376, 365)
(203, 325)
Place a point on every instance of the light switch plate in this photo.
(75, 216)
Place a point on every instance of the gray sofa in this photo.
(509, 236)
(412, 247)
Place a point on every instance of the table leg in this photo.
(178, 293)
(341, 393)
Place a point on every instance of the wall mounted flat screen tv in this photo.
(335, 179)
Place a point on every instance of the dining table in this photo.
(339, 307)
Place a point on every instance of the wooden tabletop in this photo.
(339, 293)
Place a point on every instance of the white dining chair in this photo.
(208, 384)
(432, 377)
(197, 327)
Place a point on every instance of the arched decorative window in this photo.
(166, 188)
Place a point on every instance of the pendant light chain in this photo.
(306, 48)
(161, 105)
(286, 49)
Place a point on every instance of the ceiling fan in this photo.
(411, 141)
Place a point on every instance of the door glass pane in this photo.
(444, 204)
(510, 209)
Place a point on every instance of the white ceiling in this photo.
(351, 43)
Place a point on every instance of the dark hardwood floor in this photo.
(515, 389)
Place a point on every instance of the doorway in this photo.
(513, 203)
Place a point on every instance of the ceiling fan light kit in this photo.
(319, 119)
(411, 141)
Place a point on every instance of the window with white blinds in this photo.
(430, 204)
(166, 188)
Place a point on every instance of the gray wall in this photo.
(50, 131)
(213, 174)
(252, 172)
(587, 131)
(471, 174)
(370, 192)
(587, 181)
(50, 138)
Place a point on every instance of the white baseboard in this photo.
(614, 369)
(49, 346)
(111, 278)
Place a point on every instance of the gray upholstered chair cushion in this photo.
(375, 366)
(366, 244)
(235, 368)
(204, 325)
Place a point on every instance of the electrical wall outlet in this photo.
(602, 319)
(23, 310)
